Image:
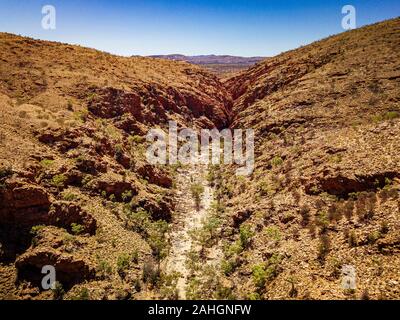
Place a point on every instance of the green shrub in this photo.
(123, 262)
(136, 139)
(77, 228)
(374, 236)
(273, 266)
(59, 180)
(46, 163)
(58, 291)
(234, 249)
(69, 196)
(259, 275)
(127, 195)
(228, 266)
(156, 238)
(322, 219)
(36, 229)
(82, 115)
(353, 242)
(118, 152)
(104, 268)
(70, 106)
(273, 233)
(151, 273)
(391, 115)
(254, 296)
(83, 294)
(197, 191)
(245, 234)
(323, 247)
(276, 161)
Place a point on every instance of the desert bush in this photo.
(81, 115)
(155, 237)
(228, 266)
(373, 237)
(254, 296)
(83, 294)
(58, 291)
(150, 273)
(334, 213)
(123, 263)
(390, 115)
(276, 161)
(136, 139)
(46, 163)
(353, 241)
(77, 228)
(70, 106)
(234, 249)
(245, 235)
(384, 227)
(35, 230)
(322, 220)
(323, 247)
(104, 268)
(59, 180)
(305, 215)
(69, 196)
(273, 266)
(348, 209)
(127, 195)
(259, 276)
(273, 233)
(197, 191)
(118, 152)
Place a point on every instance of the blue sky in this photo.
(144, 27)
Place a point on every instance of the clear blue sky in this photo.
(144, 27)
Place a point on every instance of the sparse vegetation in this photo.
(197, 191)
(77, 228)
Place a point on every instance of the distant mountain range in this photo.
(211, 59)
(220, 64)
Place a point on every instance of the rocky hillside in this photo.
(325, 190)
(75, 189)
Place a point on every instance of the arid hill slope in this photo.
(325, 190)
(75, 189)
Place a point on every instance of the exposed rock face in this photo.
(343, 186)
(113, 187)
(154, 175)
(64, 214)
(26, 205)
(69, 270)
(111, 103)
(23, 204)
